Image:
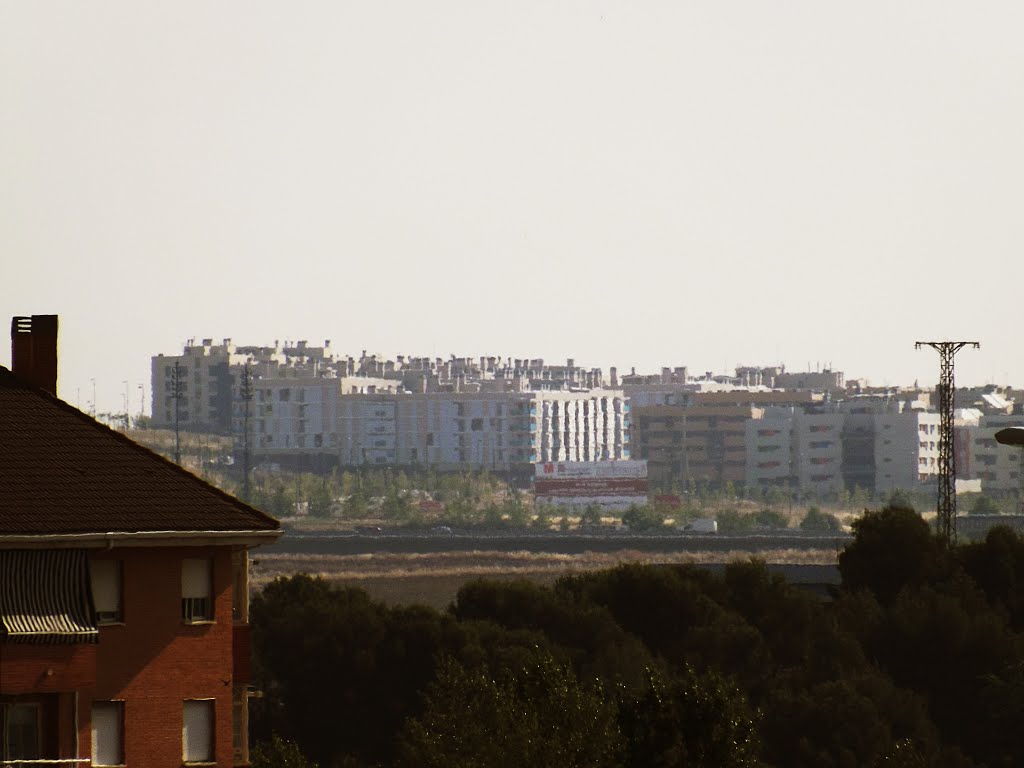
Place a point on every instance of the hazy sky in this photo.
(626, 183)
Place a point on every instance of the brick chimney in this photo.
(34, 350)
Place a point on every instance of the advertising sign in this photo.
(612, 484)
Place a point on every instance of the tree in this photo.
(591, 515)
(689, 720)
(892, 548)
(340, 671)
(537, 715)
(278, 753)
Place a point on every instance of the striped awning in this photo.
(45, 597)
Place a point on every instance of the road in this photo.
(564, 543)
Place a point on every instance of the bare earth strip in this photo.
(435, 578)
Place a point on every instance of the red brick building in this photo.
(123, 589)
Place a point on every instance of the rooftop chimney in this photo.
(34, 350)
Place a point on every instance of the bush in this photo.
(732, 521)
(770, 518)
(643, 518)
(816, 521)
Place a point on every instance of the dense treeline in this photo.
(918, 661)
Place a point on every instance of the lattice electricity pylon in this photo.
(946, 506)
(245, 392)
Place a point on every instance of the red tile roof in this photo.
(62, 472)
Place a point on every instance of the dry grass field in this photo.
(434, 579)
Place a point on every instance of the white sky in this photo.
(625, 183)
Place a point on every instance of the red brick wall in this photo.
(154, 662)
(46, 668)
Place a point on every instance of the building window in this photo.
(108, 733)
(106, 590)
(196, 603)
(20, 732)
(197, 731)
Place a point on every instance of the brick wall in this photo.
(154, 661)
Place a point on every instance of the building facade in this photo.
(124, 634)
(502, 431)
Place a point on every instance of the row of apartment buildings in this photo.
(311, 410)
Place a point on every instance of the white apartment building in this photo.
(906, 450)
(496, 430)
(294, 416)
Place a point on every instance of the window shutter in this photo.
(106, 588)
(195, 578)
(107, 733)
(198, 732)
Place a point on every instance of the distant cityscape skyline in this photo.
(76, 383)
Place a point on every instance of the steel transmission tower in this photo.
(946, 508)
(177, 392)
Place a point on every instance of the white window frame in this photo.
(197, 590)
(196, 705)
(117, 706)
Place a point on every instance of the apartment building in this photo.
(796, 449)
(906, 450)
(998, 466)
(704, 438)
(294, 415)
(124, 636)
(503, 431)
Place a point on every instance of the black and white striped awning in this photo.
(45, 597)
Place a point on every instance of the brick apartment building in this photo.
(123, 589)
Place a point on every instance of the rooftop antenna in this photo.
(946, 505)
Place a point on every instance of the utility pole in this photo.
(177, 386)
(946, 506)
(245, 392)
(127, 406)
